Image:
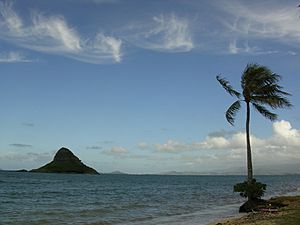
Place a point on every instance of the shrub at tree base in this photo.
(251, 190)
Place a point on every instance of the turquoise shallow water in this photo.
(33, 198)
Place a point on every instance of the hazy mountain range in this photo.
(283, 169)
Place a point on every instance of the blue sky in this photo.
(130, 85)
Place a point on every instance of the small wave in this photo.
(196, 218)
(94, 212)
(294, 192)
(289, 192)
(53, 192)
(98, 223)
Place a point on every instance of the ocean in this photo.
(36, 198)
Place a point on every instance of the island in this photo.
(65, 162)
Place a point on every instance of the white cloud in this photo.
(284, 144)
(168, 33)
(233, 49)
(13, 57)
(52, 34)
(101, 48)
(116, 150)
(212, 143)
(284, 135)
(10, 19)
(232, 27)
(234, 141)
(292, 53)
(172, 146)
(267, 20)
(143, 145)
(53, 31)
(244, 48)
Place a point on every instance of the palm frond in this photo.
(274, 101)
(270, 89)
(228, 88)
(266, 113)
(231, 112)
(267, 89)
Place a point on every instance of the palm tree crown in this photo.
(260, 88)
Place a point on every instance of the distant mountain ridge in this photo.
(117, 172)
(65, 162)
(283, 169)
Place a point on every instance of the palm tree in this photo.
(260, 88)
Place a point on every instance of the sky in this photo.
(130, 85)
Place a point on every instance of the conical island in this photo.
(65, 162)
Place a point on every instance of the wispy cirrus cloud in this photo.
(53, 35)
(265, 20)
(244, 48)
(14, 57)
(232, 27)
(167, 33)
(11, 20)
(259, 21)
(19, 145)
(94, 147)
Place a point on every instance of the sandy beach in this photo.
(288, 215)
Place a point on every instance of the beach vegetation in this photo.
(250, 190)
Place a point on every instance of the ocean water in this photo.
(35, 198)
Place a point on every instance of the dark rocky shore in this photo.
(289, 214)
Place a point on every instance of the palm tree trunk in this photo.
(249, 157)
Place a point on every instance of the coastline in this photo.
(287, 215)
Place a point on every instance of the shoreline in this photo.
(287, 215)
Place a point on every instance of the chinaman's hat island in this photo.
(65, 162)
